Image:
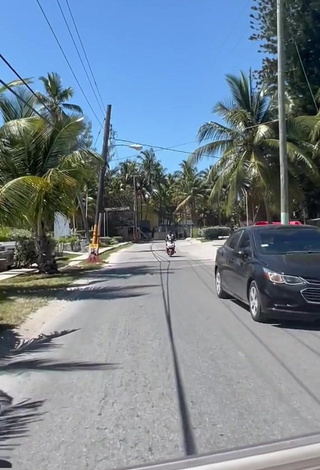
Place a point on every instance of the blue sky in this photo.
(160, 63)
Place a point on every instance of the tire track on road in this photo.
(289, 333)
(188, 437)
(312, 395)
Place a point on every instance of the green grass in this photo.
(24, 294)
(65, 259)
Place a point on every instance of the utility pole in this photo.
(99, 206)
(284, 202)
(247, 207)
(135, 207)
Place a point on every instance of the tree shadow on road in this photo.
(15, 418)
(16, 356)
(61, 286)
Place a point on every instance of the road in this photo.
(158, 368)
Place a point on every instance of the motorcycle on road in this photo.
(170, 248)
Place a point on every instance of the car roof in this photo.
(279, 227)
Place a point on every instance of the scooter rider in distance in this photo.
(170, 238)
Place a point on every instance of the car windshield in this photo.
(281, 241)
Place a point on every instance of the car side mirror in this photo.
(245, 253)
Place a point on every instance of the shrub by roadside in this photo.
(213, 233)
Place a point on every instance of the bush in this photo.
(117, 239)
(4, 234)
(195, 232)
(26, 252)
(213, 233)
(105, 241)
(71, 240)
(8, 234)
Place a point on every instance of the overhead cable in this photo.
(67, 60)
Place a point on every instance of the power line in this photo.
(95, 143)
(67, 60)
(153, 146)
(84, 52)
(8, 87)
(233, 28)
(24, 82)
(79, 55)
(306, 77)
(172, 149)
(32, 91)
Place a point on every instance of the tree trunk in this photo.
(46, 258)
(84, 219)
(268, 212)
(147, 211)
(141, 208)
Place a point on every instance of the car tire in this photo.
(222, 294)
(255, 306)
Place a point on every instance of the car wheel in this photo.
(220, 292)
(255, 303)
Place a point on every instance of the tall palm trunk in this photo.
(267, 208)
(219, 213)
(147, 211)
(46, 258)
(141, 208)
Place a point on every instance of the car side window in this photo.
(233, 240)
(245, 242)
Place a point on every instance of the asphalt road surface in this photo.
(158, 368)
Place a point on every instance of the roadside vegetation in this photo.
(48, 163)
(26, 293)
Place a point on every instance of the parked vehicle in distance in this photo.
(275, 269)
(292, 222)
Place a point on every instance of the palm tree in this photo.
(163, 197)
(248, 145)
(17, 107)
(56, 97)
(189, 190)
(41, 174)
(151, 174)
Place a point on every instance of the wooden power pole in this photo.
(101, 187)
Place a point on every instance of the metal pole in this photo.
(135, 207)
(107, 217)
(247, 208)
(104, 155)
(104, 224)
(284, 202)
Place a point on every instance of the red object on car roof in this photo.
(292, 222)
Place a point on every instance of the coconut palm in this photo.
(41, 174)
(56, 97)
(151, 174)
(248, 144)
(163, 199)
(17, 107)
(189, 190)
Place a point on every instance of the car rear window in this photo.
(280, 241)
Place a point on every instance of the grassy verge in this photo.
(104, 257)
(65, 260)
(24, 294)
